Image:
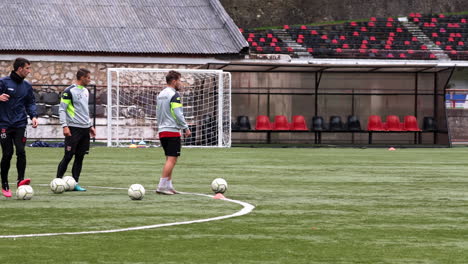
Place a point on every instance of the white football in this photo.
(219, 185)
(57, 185)
(24, 192)
(69, 183)
(136, 191)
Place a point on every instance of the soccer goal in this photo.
(131, 106)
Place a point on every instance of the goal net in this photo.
(131, 106)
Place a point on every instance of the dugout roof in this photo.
(332, 65)
(119, 26)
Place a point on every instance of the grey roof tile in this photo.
(124, 26)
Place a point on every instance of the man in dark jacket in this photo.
(16, 103)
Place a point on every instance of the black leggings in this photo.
(77, 165)
(8, 138)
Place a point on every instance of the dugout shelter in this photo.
(338, 92)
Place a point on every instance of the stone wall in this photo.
(63, 73)
(264, 13)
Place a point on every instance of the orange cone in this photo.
(219, 196)
(392, 149)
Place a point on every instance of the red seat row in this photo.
(392, 123)
(281, 123)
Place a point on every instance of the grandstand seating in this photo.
(450, 33)
(377, 38)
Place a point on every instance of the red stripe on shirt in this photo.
(166, 134)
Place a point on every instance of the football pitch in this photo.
(312, 205)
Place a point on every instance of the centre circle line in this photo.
(247, 208)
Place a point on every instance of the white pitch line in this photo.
(247, 208)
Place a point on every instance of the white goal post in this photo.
(131, 106)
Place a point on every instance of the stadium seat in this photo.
(411, 124)
(37, 97)
(318, 124)
(353, 123)
(393, 123)
(298, 123)
(243, 123)
(99, 111)
(41, 109)
(335, 123)
(281, 123)
(51, 98)
(429, 124)
(262, 123)
(55, 110)
(375, 123)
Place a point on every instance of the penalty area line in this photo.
(247, 208)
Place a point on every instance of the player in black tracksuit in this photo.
(16, 103)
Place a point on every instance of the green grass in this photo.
(312, 206)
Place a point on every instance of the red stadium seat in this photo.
(298, 123)
(262, 40)
(416, 19)
(281, 123)
(300, 40)
(342, 37)
(262, 123)
(345, 46)
(393, 123)
(285, 27)
(269, 35)
(373, 19)
(411, 124)
(277, 49)
(272, 44)
(310, 50)
(375, 123)
(303, 27)
(313, 32)
(251, 35)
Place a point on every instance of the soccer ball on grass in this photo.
(136, 191)
(69, 183)
(24, 192)
(58, 185)
(219, 185)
